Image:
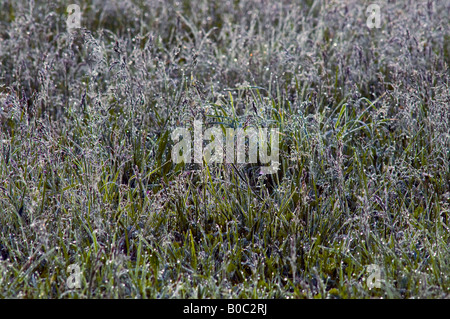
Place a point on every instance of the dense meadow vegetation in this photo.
(87, 179)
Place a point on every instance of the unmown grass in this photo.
(86, 175)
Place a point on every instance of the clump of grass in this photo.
(86, 175)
